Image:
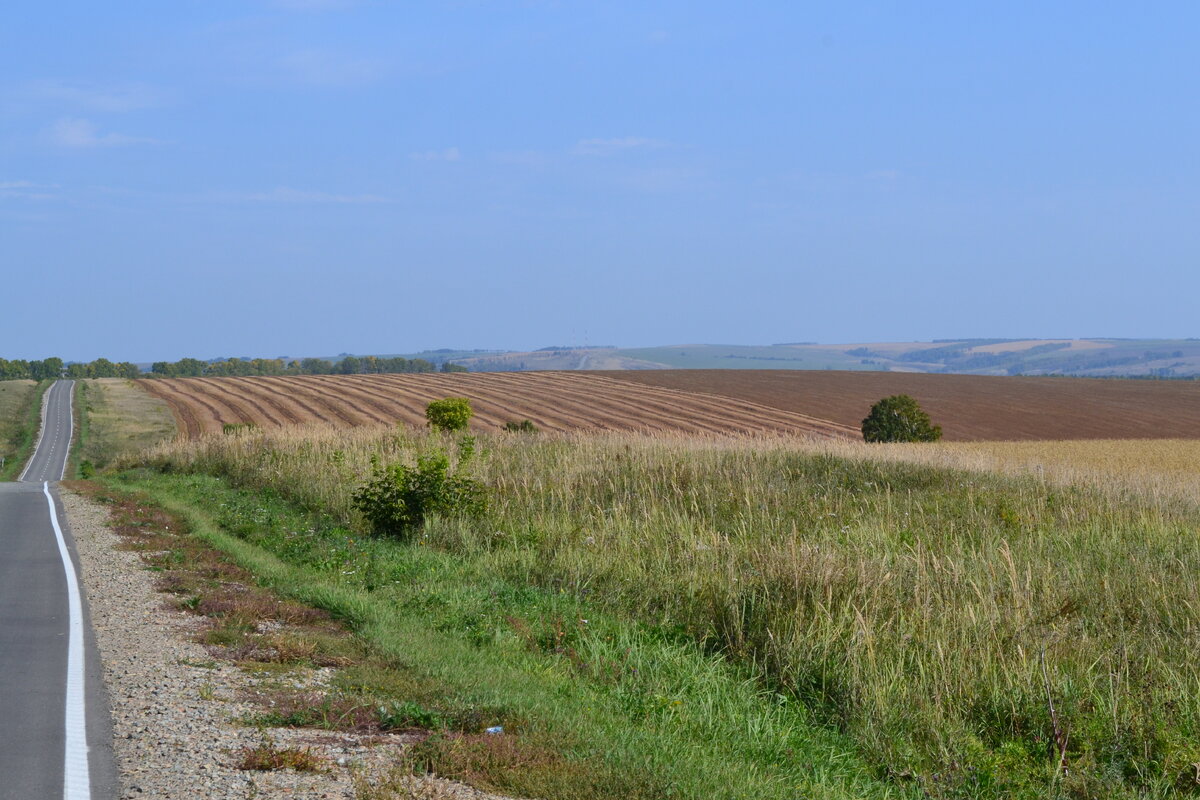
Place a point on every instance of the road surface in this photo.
(55, 734)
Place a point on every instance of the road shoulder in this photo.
(175, 709)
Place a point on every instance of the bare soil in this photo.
(968, 407)
(554, 401)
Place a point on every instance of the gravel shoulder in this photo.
(175, 709)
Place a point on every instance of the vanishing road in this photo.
(55, 733)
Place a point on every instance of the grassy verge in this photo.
(593, 705)
(932, 618)
(115, 419)
(20, 419)
(77, 466)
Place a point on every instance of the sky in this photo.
(308, 177)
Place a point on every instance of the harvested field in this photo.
(968, 407)
(554, 401)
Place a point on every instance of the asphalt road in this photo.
(55, 731)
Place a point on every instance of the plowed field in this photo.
(968, 407)
(555, 401)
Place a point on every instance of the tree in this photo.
(449, 366)
(449, 413)
(899, 419)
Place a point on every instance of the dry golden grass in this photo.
(925, 613)
(1152, 468)
(122, 419)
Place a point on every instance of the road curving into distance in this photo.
(55, 731)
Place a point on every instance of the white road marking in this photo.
(41, 431)
(77, 784)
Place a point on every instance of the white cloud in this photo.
(312, 5)
(327, 68)
(449, 154)
(608, 147)
(27, 190)
(106, 99)
(662, 179)
(286, 194)
(82, 134)
(524, 158)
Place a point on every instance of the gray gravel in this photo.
(175, 708)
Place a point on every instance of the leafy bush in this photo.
(398, 497)
(86, 469)
(524, 426)
(449, 413)
(899, 419)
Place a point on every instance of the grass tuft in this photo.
(268, 756)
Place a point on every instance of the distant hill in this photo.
(1163, 358)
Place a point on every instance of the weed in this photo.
(268, 756)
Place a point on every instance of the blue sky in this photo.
(292, 177)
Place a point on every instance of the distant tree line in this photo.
(47, 368)
(44, 369)
(350, 365)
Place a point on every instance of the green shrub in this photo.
(398, 497)
(449, 413)
(524, 426)
(899, 419)
(86, 469)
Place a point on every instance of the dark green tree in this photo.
(899, 418)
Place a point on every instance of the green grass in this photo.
(907, 622)
(20, 419)
(616, 709)
(81, 434)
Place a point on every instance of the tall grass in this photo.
(934, 615)
(20, 420)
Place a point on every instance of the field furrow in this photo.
(552, 400)
(338, 401)
(186, 419)
(232, 394)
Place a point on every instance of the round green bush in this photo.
(899, 418)
(449, 413)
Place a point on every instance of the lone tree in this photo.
(449, 413)
(899, 419)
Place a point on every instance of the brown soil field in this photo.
(554, 401)
(968, 407)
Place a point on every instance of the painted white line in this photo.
(41, 432)
(77, 784)
(70, 430)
